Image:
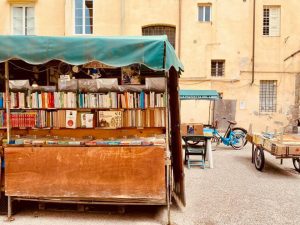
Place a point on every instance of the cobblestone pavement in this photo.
(232, 193)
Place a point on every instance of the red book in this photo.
(52, 99)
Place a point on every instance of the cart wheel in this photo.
(296, 162)
(259, 158)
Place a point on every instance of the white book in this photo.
(40, 102)
(89, 120)
(71, 116)
(83, 119)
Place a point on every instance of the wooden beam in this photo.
(7, 100)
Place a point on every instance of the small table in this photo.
(196, 138)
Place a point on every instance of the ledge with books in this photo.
(34, 140)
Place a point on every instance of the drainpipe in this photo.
(122, 16)
(253, 41)
(179, 28)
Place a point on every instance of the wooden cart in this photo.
(283, 147)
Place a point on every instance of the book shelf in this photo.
(92, 138)
(51, 109)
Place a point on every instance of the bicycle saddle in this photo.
(232, 122)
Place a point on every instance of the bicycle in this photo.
(234, 137)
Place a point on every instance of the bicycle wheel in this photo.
(296, 162)
(240, 133)
(237, 141)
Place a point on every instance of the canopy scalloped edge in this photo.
(155, 52)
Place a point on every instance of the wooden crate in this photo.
(119, 174)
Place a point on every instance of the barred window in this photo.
(267, 96)
(170, 31)
(217, 68)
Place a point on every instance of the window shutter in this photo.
(17, 20)
(29, 20)
(274, 27)
(200, 13)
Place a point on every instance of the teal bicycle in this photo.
(234, 136)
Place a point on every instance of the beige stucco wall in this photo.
(228, 36)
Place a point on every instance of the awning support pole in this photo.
(168, 152)
(7, 101)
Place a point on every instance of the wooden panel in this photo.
(176, 143)
(130, 174)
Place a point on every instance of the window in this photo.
(271, 21)
(23, 20)
(204, 13)
(84, 16)
(170, 31)
(217, 68)
(267, 95)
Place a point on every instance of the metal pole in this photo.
(253, 41)
(7, 101)
(168, 158)
(9, 209)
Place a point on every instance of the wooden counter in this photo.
(116, 174)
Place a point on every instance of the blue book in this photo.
(142, 99)
(1, 100)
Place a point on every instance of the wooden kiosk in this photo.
(78, 172)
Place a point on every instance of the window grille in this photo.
(217, 68)
(271, 20)
(268, 96)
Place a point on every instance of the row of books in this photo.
(73, 119)
(58, 100)
(55, 140)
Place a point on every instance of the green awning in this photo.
(155, 52)
(199, 94)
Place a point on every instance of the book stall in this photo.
(90, 124)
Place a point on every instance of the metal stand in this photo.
(168, 191)
(252, 153)
(9, 209)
